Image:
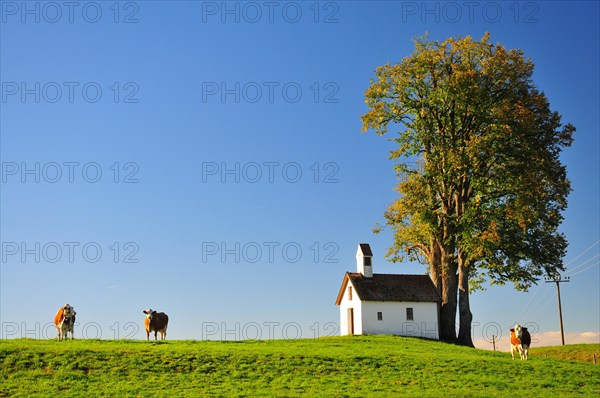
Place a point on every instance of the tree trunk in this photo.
(435, 266)
(465, 316)
(449, 290)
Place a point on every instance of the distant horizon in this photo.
(546, 339)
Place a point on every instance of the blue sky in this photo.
(206, 159)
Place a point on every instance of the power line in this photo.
(526, 306)
(585, 251)
(526, 310)
(585, 269)
(582, 264)
(536, 304)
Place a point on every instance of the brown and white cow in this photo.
(64, 320)
(520, 340)
(156, 322)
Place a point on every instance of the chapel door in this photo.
(350, 321)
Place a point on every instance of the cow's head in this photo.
(149, 313)
(519, 330)
(68, 311)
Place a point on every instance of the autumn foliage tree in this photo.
(482, 188)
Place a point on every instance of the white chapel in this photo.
(406, 305)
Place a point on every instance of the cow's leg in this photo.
(155, 335)
(512, 351)
(58, 333)
(147, 335)
(525, 351)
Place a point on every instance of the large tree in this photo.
(484, 195)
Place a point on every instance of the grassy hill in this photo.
(573, 352)
(339, 366)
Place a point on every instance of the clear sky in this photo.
(206, 159)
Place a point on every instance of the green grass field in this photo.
(573, 352)
(338, 366)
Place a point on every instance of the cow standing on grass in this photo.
(64, 320)
(156, 322)
(520, 340)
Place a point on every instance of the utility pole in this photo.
(558, 279)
